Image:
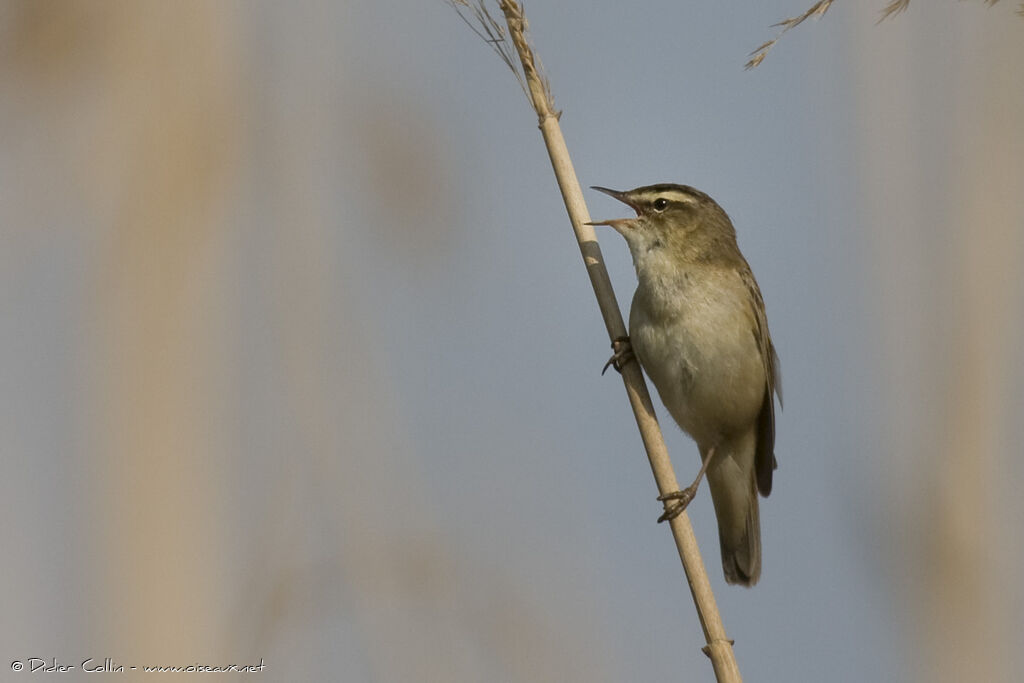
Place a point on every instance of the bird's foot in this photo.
(681, 502)
(623, 355)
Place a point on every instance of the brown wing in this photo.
(764, 458)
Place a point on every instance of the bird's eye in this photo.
(660, 204)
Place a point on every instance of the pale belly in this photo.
(705, 364)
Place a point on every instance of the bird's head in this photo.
(677, 218)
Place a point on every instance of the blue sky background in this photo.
(400, 460)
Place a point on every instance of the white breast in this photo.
(694, 337)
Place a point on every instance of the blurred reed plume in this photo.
(818, 10)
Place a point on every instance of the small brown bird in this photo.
(698, 327)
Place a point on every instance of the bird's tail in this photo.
(734, 494)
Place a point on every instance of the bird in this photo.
(698, 327)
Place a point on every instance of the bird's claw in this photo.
(623, 355)
(682, 501)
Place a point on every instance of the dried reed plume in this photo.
(817, 10)
(494, 34)
(538, 90)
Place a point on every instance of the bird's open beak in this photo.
(619, 224)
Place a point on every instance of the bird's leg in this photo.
(682, 498)
(623, 354)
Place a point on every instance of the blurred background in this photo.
(300, 363)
